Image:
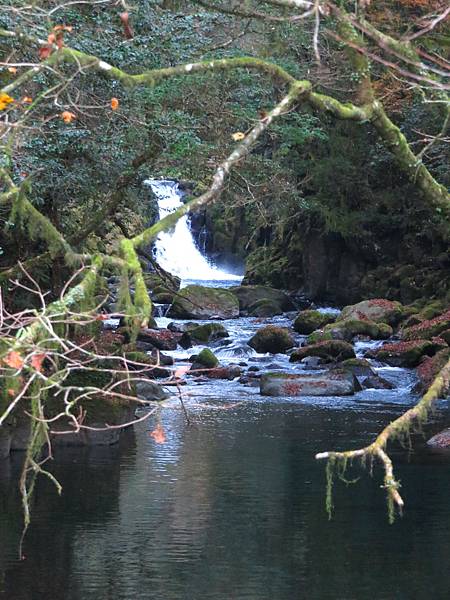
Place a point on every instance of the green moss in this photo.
(207, 359)
(307, 321)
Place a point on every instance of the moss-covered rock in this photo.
(203, 334)
(360, 367)
(333, 350)
(430, 367)
(377, 310)
(272, 339)
(206, 359)
(350, 328)
(199, 302)
(250, 294)
(406, 354)
(440, 440)
(428, 329)
(264, 308)
(308, 321)
(332, 383)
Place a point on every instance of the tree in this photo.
(51, 81)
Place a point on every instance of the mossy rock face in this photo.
(198, 302)
(272, 339)
(333, 350)
(348, 329)
(406, 354)
(156, 282)
(264, 308)
(319, 336)
(430, 367)
(205, 360)
(360, 367)
(428, 329)
(377, 310)
(248, 295)
(308, 321)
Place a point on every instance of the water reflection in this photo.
(232, 507)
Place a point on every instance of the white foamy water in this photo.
(176, 250)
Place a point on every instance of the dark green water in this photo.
(230, 508)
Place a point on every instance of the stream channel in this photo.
(232, 506)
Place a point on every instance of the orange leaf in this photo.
(158, 434)
(114, 103)
(13, 360)
(68, 116)
(63, 28)
(51, 38)
(44, 52)
(27, 99)
(12, 69)
(11, 392)
(238, 136)
(37, 360)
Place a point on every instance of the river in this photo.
(232, 506)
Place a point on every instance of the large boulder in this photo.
(308, 321)
(248, 295)
(428, 329)
(264, 308)
(205, 360)
(161, 339)
(203, 334)
(271, 339)
(440, 440)
(406, 354)
(429, 368)
(332, 350)
(332, 383)
(377, 310)
(199, 302)
(349, 329)
(151, 392)
(360, 367)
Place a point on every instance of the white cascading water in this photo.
(176, 250)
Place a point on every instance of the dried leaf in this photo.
(37, 360)
(158, 434)
(5, 99)
(13, 360)
(12, 69)
(44, 52)
(68, 116)
(114, 103)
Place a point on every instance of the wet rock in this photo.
(406, 354)
(428, 329)
(162, 339)
(331, 350)
(350, 329)
(360, 367)
(332, 383)
(203, 334)
(308, 321)
(440, 440)
(150, 391)
(375, 382)
(230, 372)
(377, 310)
(254, 369)
(205, 360)
(162, 359)
(249, 295)
(198, 302)
(265, 308)
(271, 339)
(311, 362)
(429, 369)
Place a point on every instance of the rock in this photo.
(332, 350)
(375, 382)
(332, 383)
(377, 310)
(205, 360)
(428, 329)
(230, 372)
(154, 371)
(264, 308)
(445, 335)
(311, 362)
(271, 339)
(150, 391)
(429, 369)
(308, 321)
(406, 354)
(248, 295)
(162, 359)
(351, 328)
(440, 440)
(161, 339)
(360, 367)
(203, 334)
(198, 302)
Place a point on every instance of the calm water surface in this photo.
(231, 507)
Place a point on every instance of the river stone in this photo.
(150, 391)
(248, 295)
(264, 308)
(406, 354)
(203, 334)
(351, 328)
(375, 382)
(198, 302)
(332, 383)
(205, 360)
(429, 369)
(360, 367)
(332, 350)
(440, 440)
(308, 321)
(271, 339)
(161, 339)
(428, 329)
(377, 310)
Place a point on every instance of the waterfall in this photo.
(176, 250)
